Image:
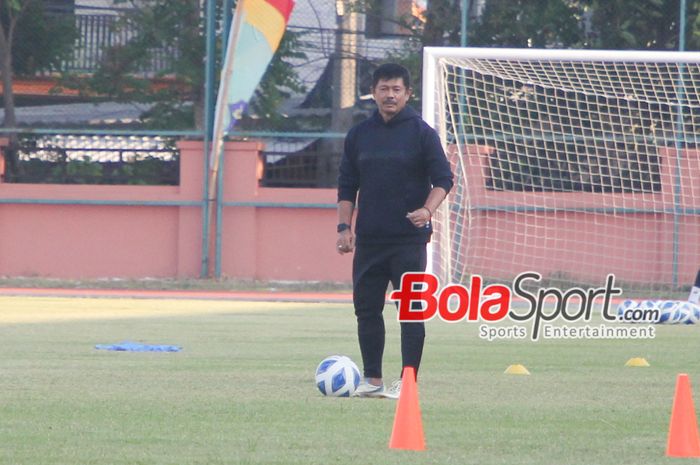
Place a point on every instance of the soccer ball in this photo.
(667, 310)
(646, 305)
(683, 313)
(337, 376)
(693, 314)
(623, 307)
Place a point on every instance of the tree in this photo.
(172, 32)
(442, 23)
(641, 24)
(31, 41)
(278, 84)
(596, 24)
(11, 11)
(529, 23)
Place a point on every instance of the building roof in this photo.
(79, 113)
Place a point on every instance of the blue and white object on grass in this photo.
(131, 346)
(682, 313)
(667, 310)
(649, 306)
(687, 313)
(693, 315)
(623, 307)
(337, 376)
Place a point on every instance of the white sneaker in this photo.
(394, 391)
(366, 389)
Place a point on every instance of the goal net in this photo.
(570, 163)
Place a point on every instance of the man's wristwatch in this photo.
(342, 227)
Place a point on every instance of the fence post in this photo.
(209, 109)
(4, 141)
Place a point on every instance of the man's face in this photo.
(391, 96)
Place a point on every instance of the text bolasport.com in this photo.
(420, 298)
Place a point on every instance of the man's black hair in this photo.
(391, 71)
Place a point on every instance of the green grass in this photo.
(242, 390)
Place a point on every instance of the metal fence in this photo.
(300, 162)
(329, 59)
(97, 33)
(97, 159)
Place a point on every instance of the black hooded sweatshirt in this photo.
(393, 165)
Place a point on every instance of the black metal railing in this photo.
(97, 160)
(97, 33)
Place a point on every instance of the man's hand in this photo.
(420, 218)
(345, 242)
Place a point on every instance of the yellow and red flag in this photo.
(256, 32)
(251, 48)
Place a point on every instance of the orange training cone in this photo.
(408, 427)
(683, 439)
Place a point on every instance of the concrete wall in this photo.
(585, 235)
(276, 233)
(92, 231)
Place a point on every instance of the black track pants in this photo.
(373, 268)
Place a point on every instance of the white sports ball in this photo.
(337, 376)
(667, 310)
(650, 305)
(693, 314)
(624, 306)
(682, 313)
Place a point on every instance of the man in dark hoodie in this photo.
(395, 167)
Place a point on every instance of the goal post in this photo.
(570, 163)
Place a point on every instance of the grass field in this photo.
(242, 390)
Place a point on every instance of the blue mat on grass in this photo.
(129, 346)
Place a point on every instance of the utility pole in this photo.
(344, 65)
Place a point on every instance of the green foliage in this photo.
(82, 171)
(529, 23)
(597, 24)
(443, 23)
(604, 24)
(145, 171)
(636, 24)
(279, 81)
(169, 114)
(13, 5)
(42, 40)
(172, 32)
(47, 163)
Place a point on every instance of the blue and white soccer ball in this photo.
(337, 376)
(683, 313)
(623, 307)
(667, 310)
(657, 306)
(694, 315)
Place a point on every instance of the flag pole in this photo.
(258, 26)
(221, 101)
